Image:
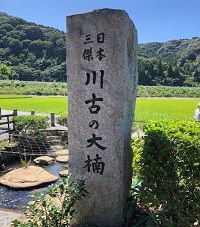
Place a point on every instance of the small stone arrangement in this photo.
(60, 155)
(32, 176)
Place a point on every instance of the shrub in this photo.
(167, 161)
(30, 124)
(25, 162)
(57, 207)
(1, 144)
(62, 120)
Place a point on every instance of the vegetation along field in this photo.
(57, 88)
(146, 108)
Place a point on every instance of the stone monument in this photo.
(102, 87)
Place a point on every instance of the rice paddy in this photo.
(146, 108)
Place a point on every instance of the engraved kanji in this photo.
(97, 166)
(94, 78)
(94, 108)
(88, 54)
(93, 141)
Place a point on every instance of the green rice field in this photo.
(165, 108)
(146, 108)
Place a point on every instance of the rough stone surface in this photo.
(106, 203)
(44, 160)
(64, 173)
(27, 177)
(62, 158)
(62, 152)
(56, 147)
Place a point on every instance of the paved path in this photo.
(7, 216)
(22, 113)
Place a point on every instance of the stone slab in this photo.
(62, 158)
(44, 160)
(29, 177)
(102, 87)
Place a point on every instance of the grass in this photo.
(167, 91)
(33, 88)
(38, 104)
(165, 108)
(57, 88)
(146, 108)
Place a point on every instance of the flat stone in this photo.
(102, 89)
(64, 173)
(62, 152)
(44, 160)
(62, 158)
(57, 147)
(29, 177)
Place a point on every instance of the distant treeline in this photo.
(31, 52)
(57, 88)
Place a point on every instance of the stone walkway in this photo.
(7, 216)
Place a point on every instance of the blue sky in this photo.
(156, 20)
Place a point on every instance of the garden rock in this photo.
(57, 147)
(63, 152)
(62, 158)
(44, 160)
(27, 177)
(64, 173)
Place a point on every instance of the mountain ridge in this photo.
(29, 51)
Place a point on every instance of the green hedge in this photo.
(30, 124)
(167, 161)
(62, 120)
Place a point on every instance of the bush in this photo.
(30, 125)
(167, 161)
(57, 207)
(62, 120)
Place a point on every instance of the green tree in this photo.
(5, 72)
(178, 78)
(160, 69)
(197, 76)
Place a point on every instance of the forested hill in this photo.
(33, 52)
(176, 63)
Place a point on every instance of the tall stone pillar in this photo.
(102, 87)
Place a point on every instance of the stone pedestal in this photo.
(102, 87)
